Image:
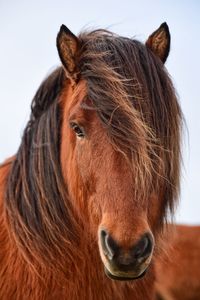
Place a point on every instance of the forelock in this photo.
(134, 97)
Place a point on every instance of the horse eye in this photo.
(77, 129)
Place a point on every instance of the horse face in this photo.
(100, 180)
(100, 184)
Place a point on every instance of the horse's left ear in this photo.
(68, 46)
(159, 42)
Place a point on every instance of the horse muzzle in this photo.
(125, 263)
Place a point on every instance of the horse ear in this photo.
(68, 46)
(159, 42)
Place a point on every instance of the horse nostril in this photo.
(144, 247)
(109, 246)
(126, 259)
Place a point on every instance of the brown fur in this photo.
(59, 189)
(178, 272)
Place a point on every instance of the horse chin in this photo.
(125, 277)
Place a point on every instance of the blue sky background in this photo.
(28, 52)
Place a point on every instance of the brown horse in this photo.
(178, 270)
(84, 199)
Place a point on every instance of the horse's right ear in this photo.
(68, 46)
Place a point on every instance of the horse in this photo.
(84, 200)
(177, 269)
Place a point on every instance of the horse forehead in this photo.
(73, 95)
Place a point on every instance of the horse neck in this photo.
(8, 249)
(4, 172)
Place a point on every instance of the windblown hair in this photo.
(136, 102)
(134, 97)
(36, 196)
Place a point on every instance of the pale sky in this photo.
(28, 52)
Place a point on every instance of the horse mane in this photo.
(36, 198)
(136, 102)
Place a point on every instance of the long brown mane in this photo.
(129, 88)
(36, 195)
